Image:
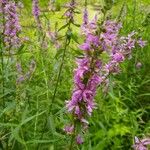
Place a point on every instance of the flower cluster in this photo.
(69, 16)
(69, 13)
(12, 26)
(141, 144)
(88, 27)
(35, 9)
(53, 36)
(2, 4)
(36, 12)
(92, 70)
(21, 76)
(85, 17)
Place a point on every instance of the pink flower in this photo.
(79, 139)
(141, 144)
(85, 17)
(69, 14)
(85, 46)
(118, 57)
(141, 43)
(138, 65)
(69, 129)
(91, 71)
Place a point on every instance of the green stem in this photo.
(2, 61)
(36, 119)
(2, 70)
(71, 144)
(59, 74)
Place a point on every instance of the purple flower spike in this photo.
(69, 129)
(85, 17)
(19, 68)
(118, 57)
(69, 14)
(35, 8)
(141, 43)
(36, 12)
(91, 71)
(85, 46)
(79, 139)
(12, 26)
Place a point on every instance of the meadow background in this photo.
(33, 113)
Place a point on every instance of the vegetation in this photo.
(37, 78)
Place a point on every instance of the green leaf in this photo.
(31, 118)
(75, 38)
(40, 141)
(16, 136)
(51, 124)
(8, 108)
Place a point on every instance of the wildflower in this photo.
(53, 37)
(141, 43)
(19, 68)
(12, 26)
(118, 57)
(69, 129)
(35, 9)
(141, 144)
(79, 139)
(21, 77)
(36, 12)
(69, 13)
(85, 46)
(85, 17)
(4, 2)
(90, 27)
(91, 71)
(31, 69)
(138, 65)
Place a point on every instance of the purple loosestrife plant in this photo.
(93, 71)
(70, 12)
(35, 9)
(68, 35)
(21, 76)
(12, 26)
(36, 12)
(2, 5)
(85, 17)
(69, 17)
(53, 36)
